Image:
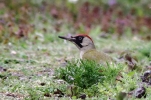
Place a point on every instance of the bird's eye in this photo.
(80, 38)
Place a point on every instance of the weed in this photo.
(87, 74)
(81, 73)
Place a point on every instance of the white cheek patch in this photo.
(86, 41)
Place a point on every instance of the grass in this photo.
(84, 75)
(33, 65)
(27, 65)
(87, 74)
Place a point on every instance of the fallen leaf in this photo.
(146, 77)
(140, 92)
(82, 96)
(58, 92)
(47, 94)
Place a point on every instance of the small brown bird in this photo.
(87, 48)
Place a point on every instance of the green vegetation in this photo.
(86, 75)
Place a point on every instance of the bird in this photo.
(87, 48)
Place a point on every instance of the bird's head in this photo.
(82, 41)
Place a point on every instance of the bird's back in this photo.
(100, 57)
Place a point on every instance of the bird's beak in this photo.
(67, 38)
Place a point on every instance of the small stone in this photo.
(13, 52)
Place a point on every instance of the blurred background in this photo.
(20, 18)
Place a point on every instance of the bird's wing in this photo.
(97, 56)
